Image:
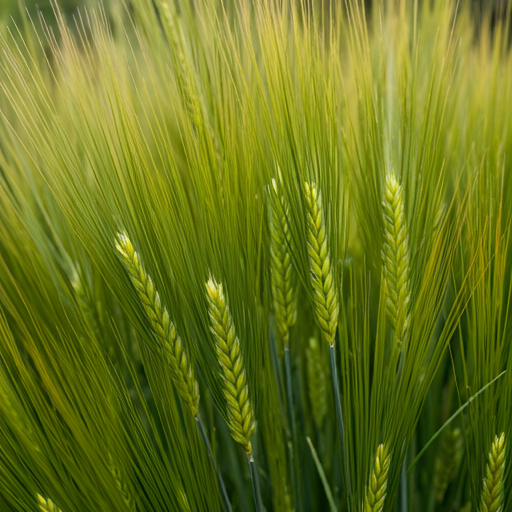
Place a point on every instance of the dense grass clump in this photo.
(254, 255)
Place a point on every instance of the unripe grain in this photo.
(447, 461)
(46, 505)
(325, 295)
(395, 256)
(376, 490)
(281, 270)
(492, 490)
(121, 484)
(317, 385)
(164, 329)
(229, 354)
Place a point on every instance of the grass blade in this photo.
(450, 419)
(322, 476)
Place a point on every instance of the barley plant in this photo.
(255, 255)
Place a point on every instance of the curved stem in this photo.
(220, 481)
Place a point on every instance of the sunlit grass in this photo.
(341, 175)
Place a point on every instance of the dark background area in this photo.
(10, 7)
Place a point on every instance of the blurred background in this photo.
(12, 7)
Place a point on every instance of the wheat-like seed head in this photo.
(317, 385)
(6, 405)
(376, 490)
(281, 271)
(87, 307)
(439, 219)
(492, 491)
(395, 255)
(164, 329)
(8, 410)
(183, 500)
(466, 507)
(448, 461)
(229, 353)
(46, 505)
(322, 275)
(288, 501)
(183, 72)
(80, 289)
(121, 484)
(77, 284)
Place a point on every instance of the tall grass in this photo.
(343, 173)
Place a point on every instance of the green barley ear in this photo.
(395, 255)
(121, 484)
(440, 216)
(229, 353)
(7, 408)
(376, 490)
(317, 385)
(85, 303)
(186, 85)
(466, 507)
(492, 491)
(182, 498)
(322, 275)
(281, 271)
(447, 461)
(164, 329)
(46, 505)
(82, 297)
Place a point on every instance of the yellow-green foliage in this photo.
(387, 128)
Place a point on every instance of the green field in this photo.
(255, 255)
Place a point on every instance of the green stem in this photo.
(431, 502)
(276, 360)
(294, 445)
(220, 481)
(404, 485)
(255, 483)
(339, 416)
(403, 476)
